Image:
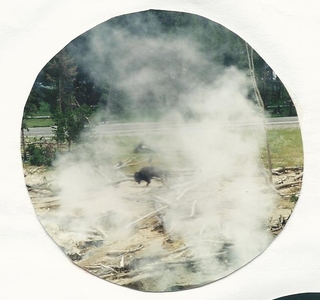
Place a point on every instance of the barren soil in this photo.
(150, 254)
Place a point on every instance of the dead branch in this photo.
(193, 208)
(33, 170)
(121, 174)
(101, 231)
(298, 176)
(187, 190)
(275, 190)
(282, 180)
(121, 252)
(122, 263)
(122, 163)
(176, 251)
(147, 216)
(102, 174)
(46, 204)
(261, 105)
(130, 165)
(111, 268)
(141, 274)
(101, 266)
(293, 168)
(285, 185)
(278, 171)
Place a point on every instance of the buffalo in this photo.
(146, 173)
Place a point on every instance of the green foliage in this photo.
(294, 198)
(59, 127)
(70, 123)
(44, 109)
(54, 84)
(92, 78)
(41, 154)
(31, 108)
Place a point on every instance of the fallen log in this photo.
(285, 185)
(292, 168)
(281, 170)
(278, 171)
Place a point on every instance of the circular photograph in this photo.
(160, 151)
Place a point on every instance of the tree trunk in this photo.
(23, 145)
(261, 105)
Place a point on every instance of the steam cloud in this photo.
(225, 195)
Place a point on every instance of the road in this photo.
(144, 127)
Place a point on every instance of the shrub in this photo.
(41, 154)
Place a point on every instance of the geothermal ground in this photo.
(150, 252)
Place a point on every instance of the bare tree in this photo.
(261, 105)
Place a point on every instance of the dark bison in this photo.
(146, 173)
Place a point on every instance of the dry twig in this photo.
(147, 216)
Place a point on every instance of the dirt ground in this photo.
(150, 253)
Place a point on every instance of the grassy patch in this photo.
(38, 122)
(285, 146)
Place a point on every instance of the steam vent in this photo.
(160, 151)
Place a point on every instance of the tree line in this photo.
(78, 81)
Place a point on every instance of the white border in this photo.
(285, 33)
